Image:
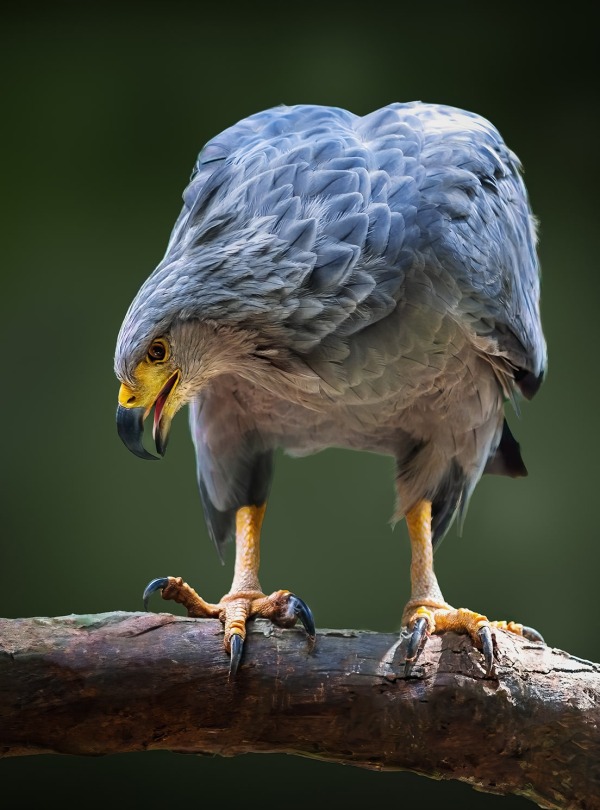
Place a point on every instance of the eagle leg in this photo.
(245, 599)
(427, 612)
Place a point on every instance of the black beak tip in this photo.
(161, 443)
(130, 426)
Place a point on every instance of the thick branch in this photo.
(118, 682)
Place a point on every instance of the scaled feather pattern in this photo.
(386, 269)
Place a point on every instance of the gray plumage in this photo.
(382, 271)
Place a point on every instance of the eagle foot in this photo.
(426, 620)
(282, 608)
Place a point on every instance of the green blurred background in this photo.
(103, 113)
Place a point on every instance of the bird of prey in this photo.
(334, 280)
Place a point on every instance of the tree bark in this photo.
(119, 682)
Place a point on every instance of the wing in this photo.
(328, 231)
(329, 214)
(479, 226)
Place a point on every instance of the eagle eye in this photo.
(157, 351)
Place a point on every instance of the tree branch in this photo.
(119, 682)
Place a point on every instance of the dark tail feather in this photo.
(447, 501)
(248, 485)
(506, 460)
(220, 525)
(528, 382)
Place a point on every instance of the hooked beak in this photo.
(130, 426)
(130, 420)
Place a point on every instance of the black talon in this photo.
(532, 634)
(302, 612)
(236, 643)
(151, 587)
(487, 646)
(416, 643)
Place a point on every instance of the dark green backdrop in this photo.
(102, 117)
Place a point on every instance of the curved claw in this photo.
(302, 612)
(236, 643)
(532, 634)
(487, 646)
(415, 643)
(151, 587)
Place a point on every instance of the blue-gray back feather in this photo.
(333, 232)
(340, 204)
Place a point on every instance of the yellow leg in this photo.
(427, 611)
(426, 598)
(248, 523)
(424, 588)
(236, 606)
(245, 598)
(425, 594)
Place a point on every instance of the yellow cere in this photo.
(150, 379)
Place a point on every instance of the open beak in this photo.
(130, 420)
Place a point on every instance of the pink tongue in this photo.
(158, 406)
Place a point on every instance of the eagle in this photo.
(336, 280)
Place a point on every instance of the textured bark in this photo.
(118, 682)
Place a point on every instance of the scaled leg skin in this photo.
(427, 612)
(245, 599)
